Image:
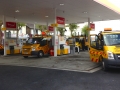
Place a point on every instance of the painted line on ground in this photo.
(92, 70)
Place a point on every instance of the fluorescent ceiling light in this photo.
(17, 11)
(111, 4)
(84, 12)
(61, 4)
(46, 16)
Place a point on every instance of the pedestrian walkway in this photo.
(78, 62)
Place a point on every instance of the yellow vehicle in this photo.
(1, 49)
(81, 42)
(36, 46)
(105, 48)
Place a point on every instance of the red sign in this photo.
(92, 25)
(51, 28)
(60, 20)
(11, 25)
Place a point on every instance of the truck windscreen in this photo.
(111, 39)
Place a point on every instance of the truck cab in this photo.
(105, 48)
(36, 46)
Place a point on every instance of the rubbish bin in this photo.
(11, 49)
(72, 49)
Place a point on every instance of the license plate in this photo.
(26, 53)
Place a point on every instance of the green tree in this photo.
(20, 25)
(72, 27)
(84, 30)
(41, 27)
(61, 30)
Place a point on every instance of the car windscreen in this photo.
(35, 40)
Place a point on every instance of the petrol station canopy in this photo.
(42, 11)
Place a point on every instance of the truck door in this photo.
(93, 51)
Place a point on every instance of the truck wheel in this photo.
(104, 66)
(25, 56)
(2, 53)
(40, 54)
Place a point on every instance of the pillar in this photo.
(47, 24)
(89, 31)
(4, 25)
(55, 34)
(34, 30)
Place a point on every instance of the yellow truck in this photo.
(105, 47)
(36, 46)
(78, 42)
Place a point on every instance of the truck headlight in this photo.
(33, 49)
(110, 55)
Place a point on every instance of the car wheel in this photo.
(40, 54)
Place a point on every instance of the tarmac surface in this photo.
(79, 62)
(67, 72)
(32, 78)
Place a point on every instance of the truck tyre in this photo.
(25, 56)
(104, 66)
(40, 54)
(2, 53)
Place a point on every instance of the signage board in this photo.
(50, 28)
(54, 25)
(60, 20)
(92, 25)
(3, 28)
(11, 25)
